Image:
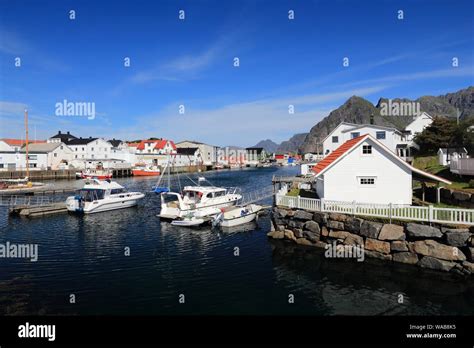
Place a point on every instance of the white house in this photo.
(364, 169)
(9, 158)
(209, 152)
(187, 156)
(418, 124)
(446, 154)
(53, 155)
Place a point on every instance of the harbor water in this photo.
(237, 272)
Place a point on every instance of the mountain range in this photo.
(361, 111)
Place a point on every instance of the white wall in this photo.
(208, 152)
(393, 180)
(328, 145)
(418, 125)
(96, 149)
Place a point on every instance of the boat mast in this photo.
(26, 141)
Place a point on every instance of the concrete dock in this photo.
(36, 211)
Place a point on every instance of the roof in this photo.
(195, 142)
(371, 126)
(21, 142)
(189, 151)
(159, 144)
(279, 156)
(258, 150)
(65, 137)
(340, 124)
(452, 150)
(349, 145)
(42, 147)
(96, 184)
(115, 142)
(81, 141)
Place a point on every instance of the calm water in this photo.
(85, 256)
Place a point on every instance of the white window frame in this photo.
(367, 177)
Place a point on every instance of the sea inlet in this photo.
(83, 267)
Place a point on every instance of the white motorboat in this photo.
(237, 215)
(204, 200)
(97, 196)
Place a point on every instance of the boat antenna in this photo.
(26, 141)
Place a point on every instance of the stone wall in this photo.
(440, 248)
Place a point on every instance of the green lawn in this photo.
(430, 165)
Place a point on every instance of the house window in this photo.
(355, 135)
(335, 139)
(1, 165)
(92, 149)
(380, 135)
(367, 180)
(55, 154)
(62, 147)
(366, 149)
(82, 149)
(76, 156)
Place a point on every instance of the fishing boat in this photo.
(146, 171)
(197, 217)
(236, 216)
(98, 196)
(99, 174)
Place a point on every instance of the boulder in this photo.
(392, 232)
(312, 236)
(312, 226)
(469, 266)
(337, 217)
(290, 213)
(289, 235)
(398, 245)
(303, 241)
(276, 234)
(471, 241)
(377, 255)
(370, 229)
(437, 264)
(405, 257)
(354, 239)
(303, 215)
(280, 228)
(423, 231)
(353, 225)
(320, 218)
(457, 238)
(335, 225)
(320, 244)
(461, 196)
(470, 254)
(296, 224)
(377, 245)
(446, 193)
(280, 212)
(324, 231)
(339, 234)
(434, 249)
(298, 232)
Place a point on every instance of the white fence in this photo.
(462, 166)
(391, 211)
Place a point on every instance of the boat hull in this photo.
(140, 172)
(99, 177)
(99, 206)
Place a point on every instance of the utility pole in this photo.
(26, 141)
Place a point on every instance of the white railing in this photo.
(462, 166)
(391, 211)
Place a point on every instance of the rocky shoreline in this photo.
(435, 247)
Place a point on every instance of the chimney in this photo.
(59, 132)
(68, 133)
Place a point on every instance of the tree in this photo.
(440, 134)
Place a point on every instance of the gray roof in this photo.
(41, 147)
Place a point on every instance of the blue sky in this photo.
(190, 63)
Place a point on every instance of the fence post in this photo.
(298, 204)
(390, 212)
(322, 207)
(430, 215)
(353, 208)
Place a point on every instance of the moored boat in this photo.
(97, 196)
(99, 174)
(146, 171)
(237, 215)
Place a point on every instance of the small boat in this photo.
(146, 171)
(99, 174)
(97, 196)
(188, 222)
(237, 215)
(219, 166)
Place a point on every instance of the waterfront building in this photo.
(255, 155)
(364, 169)
(187, 156)
(209, 152)
(47, 156)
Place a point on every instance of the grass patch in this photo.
(430, 164)
(293, 192)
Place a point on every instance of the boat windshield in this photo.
(89, 195)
